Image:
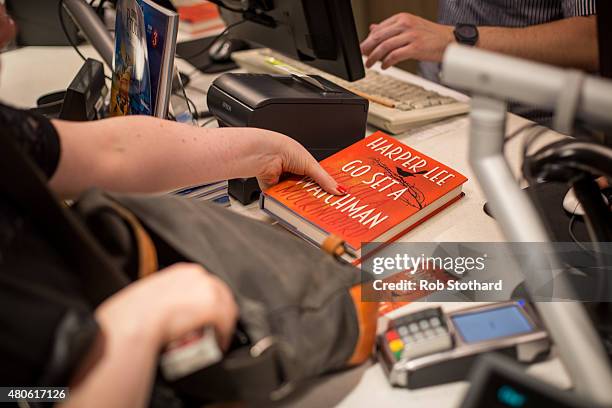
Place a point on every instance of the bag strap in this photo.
(263, 374)
(334, 246)
(23, 183)
(147, 253)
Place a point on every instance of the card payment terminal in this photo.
(431, 347)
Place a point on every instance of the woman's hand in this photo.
(137, 322)
(278, 154)
(405, 36)
(141, 154)
(170, 304)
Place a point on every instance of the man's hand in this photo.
(405, 36)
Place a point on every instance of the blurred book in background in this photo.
(213, 192)
(197, 16)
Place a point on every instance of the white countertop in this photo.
(30, 72)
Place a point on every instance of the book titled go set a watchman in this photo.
(392, 188)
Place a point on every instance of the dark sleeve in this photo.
(34, 134)
(575, 8)
(46, 323)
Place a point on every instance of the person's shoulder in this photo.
(34, 134)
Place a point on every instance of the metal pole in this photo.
(491, 77)
(93, 28)
(579, 344)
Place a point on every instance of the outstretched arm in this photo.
(144, 154)
(571, 42)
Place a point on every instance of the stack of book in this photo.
(198, 16)
(214, 192)
(390, 189)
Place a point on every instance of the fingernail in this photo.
(342, 189)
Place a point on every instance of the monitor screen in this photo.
(492, 324)
(503, 392)
(500, 382)
(320, 33)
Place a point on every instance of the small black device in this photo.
(50, 104)
(245, 190)
(498, 382)
(431, 347)
(466, 34)
(85, 95)
(324, 117)
(320, 33)
(84, 98)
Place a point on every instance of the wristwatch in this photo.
(466, 34)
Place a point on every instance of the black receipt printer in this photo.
(324, 117)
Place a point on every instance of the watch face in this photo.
(468, 32)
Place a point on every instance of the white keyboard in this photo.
(395, 105)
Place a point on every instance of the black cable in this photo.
(222, 4)
(193, 112)
(214, 40)
(529, 140)
(100, 5)
(193, 105)
(195, 88)
(518, 131)
(204, 114)
(60, 11)
(570, 229)
(208, 121)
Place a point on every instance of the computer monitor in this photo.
(39, 23)
(320, 33)
(604, 31)
(500, 382)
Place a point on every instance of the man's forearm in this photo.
(570, 42)
(141, 154)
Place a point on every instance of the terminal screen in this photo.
(492, 324)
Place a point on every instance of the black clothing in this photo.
(37, 289)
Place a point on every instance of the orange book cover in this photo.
(198, 13)
(390, 186)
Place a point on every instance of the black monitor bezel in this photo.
(347, 65)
